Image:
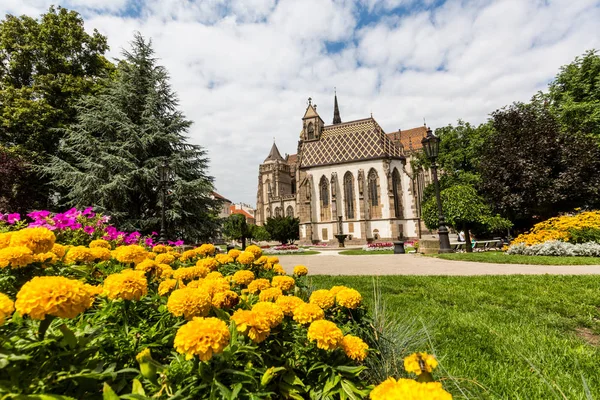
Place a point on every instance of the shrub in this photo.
(556, 248)
(576, 228)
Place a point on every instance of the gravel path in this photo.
(328, 263)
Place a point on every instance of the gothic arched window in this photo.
(310, 131)
(373, 188)
(324, 198)
(277, 212)
(397, 192)
(349, 195)
(289, 212)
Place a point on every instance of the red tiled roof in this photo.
(240, 211)
(292, 159)
(410, 139)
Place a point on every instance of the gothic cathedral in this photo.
(348, 175)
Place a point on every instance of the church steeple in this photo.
(274, 154)
(336, 110)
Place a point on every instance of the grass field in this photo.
(503, 258)
(519, 337)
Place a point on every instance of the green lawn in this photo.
(503, 258)
(520, 337)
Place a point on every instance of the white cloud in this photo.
(243, 69)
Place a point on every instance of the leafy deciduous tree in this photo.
(283, 229)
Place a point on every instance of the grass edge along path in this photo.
(499, 257)
(519, 336)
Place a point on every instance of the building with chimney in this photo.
(349, 176)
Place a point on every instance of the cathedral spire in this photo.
(336, 109)
(274, 154)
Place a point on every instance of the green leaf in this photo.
(138, 388)
(224, 390)
(108, 393)
(68, 335)
(37, 397)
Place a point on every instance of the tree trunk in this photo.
(468, 247)
(243, 242)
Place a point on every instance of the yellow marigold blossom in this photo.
(409, 389)
(254, 250)
(234, 253)
(46, 258)
(189, 302)
(127, 284)
(277, 268)
(100, 253)
(261, 260)
(144, 356)
(258, 284)
(251, 324)
(245, 258)
(226, 299)
(307, 313)
(300, 270)
(323, 298)
(188, 255)
(159, 248)
(354, 347)
(288, 304)
(202, 337)
(147, 266)
(206, 249)
(209, 263)
(336, 289)
(270, 294)
(169, 249)
(189, 273)
(214, 286)
(270, 311)
(151, 255)
(273, 259)
(59, 250)
(99, 243)
(7, 307)
(213, 275)
(224, 259)
(79, 254)
(132, 253)
(348, 298)
(53, 295)
(5, 239)
(267, 266)
(38, 240)
(167, 285)
(284, 283)
(16, 257)
(243, 277)
(419, 363)
(164, 271)
(327, 335)
(164, 258)
(93, 290)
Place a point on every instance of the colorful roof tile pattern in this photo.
(409, 139)
(349, 142)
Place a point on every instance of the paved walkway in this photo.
(331, 263)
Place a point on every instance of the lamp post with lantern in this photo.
(164, 171)
(431, 146)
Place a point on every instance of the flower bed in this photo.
(285, 249)
(161, 322)
(379, 246)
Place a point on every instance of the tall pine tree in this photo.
(110, 158)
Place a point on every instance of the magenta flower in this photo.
(176, 243)
(88, 229)
(37, 215)
(149, 242)
(12, 218)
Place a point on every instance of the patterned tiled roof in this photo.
(358, 140)
(292, 159)
(409, 139)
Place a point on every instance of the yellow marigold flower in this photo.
(354, 347)
(254, 250)
(270, 294)
(234, 253)
(167, 285)
(300, 270)
(144, 356)
(323, 298)
(284, 283)
(189, 273)
(127, 284)
(214, 286)
(273, 260)
(53, 295)
(99, 243)
(245, 258)
(202, 337)
(79, 254)
(307, 313)
(348, 298)
(169, 249)
(419, 363)
(47, 258)
(270, 311)
(151, 255)
(7, 307)
(267, 266)
(251, 324)
(409, 389)
(164, 258)
(206, 249)
(38, 240)
(277, 268)
(336, 289)
(16, 257)
(214, 275)
(164, 271)
(288, 304)
(188, 255)
(189, 302)
(243, 277)
(159, 248)
(5, 239)
(93, 290)
(226, 299)
(261, 260)
(258, 284)
(224, 259)
(327, 335)
(147, 266)
(100, 253)
(59, 250)
(130, 254)
(209, 263)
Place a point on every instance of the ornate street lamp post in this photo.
(164, 171)
(431, 146)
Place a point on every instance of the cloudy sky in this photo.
(243, 69)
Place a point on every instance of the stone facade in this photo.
(349, 170)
